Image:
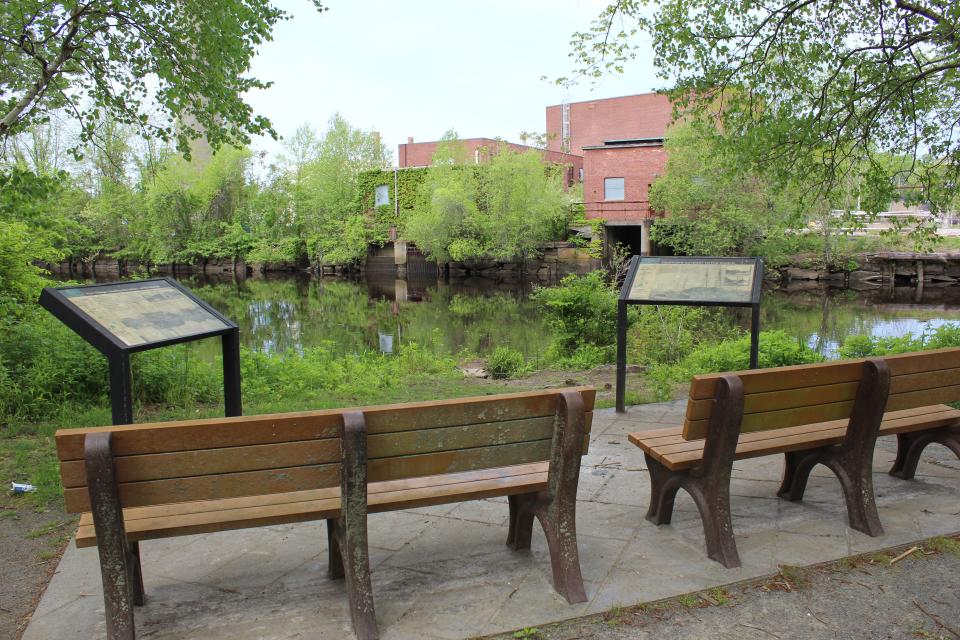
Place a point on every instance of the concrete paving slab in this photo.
(444, 572)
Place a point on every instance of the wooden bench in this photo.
(829, 413)
(147, 481)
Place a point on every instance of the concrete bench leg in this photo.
(522, 508)
(556, 508)
(911, 445)
(708, 484)
(120, 578)
(347, 535)
(852, 460)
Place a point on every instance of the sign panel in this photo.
(138, 313)
(693, 280)
(121, 318)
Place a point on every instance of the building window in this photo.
(581, 174)
(382, 196)
(613, 188)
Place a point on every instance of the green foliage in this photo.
(55, 369)
(502, 209)
(20, 279)
(666, 334)
(336, 230)
(947, 335)
(505, 362)
(174, 70)
(714, 206)
(809, 92)
(777, 349)
(28, 233)
(581, 312)
(325, 368)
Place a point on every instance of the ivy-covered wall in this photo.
(408, 181)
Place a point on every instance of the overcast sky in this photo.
(420, 67)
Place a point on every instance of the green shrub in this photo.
(947, 335)
(666, 334)
(505, 362)
(582, 313)
(777, 349)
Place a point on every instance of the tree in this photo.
(444, 221)
(713, 205)
(800, 87)
(119, 57)
(525, 204)
(336, 230)
(501, 210)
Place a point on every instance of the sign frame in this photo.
(756, 288)
(117, 352)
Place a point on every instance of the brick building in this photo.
(420, 154)
(614, 146)
(621, 141)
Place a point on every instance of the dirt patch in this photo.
(905, 592)
(31, 543)
(602, 378)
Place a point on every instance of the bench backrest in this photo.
(783, 397)
(170, 462)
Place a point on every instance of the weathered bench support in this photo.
(555, 507)
(852, 460)
(347, 535)
(119, 560)
(911, 445)
(708, 484)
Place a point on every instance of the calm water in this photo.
(475, 316)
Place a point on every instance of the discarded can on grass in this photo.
(17, 487)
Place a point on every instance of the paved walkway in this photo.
(444, 572)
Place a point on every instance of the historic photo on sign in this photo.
(141, 313)
(693, 281)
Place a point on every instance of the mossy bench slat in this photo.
(827, 413)
(141, 482)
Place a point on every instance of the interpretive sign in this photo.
(682, 280)
(145, 312)
(700, 281)
(120, 318)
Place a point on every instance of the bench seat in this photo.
(206, 516)
(669, 448)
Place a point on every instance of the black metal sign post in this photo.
(120, 318)
(688, 281)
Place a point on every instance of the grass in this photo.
(942, 544)
(690, 601)
(720, 595)
(28, 454)
(796, 578)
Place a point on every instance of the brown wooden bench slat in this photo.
(794, 376)
(672, 440)
(215, 433)
(930, 381)
(780, 400)
(676, 453)
(184, 464)
(239, 484)
(187, 518)
(697, 429)
(198, 506)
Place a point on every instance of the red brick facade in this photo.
(420, 154)
(638, 165)
(594, 122)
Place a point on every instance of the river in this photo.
(475, 316)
